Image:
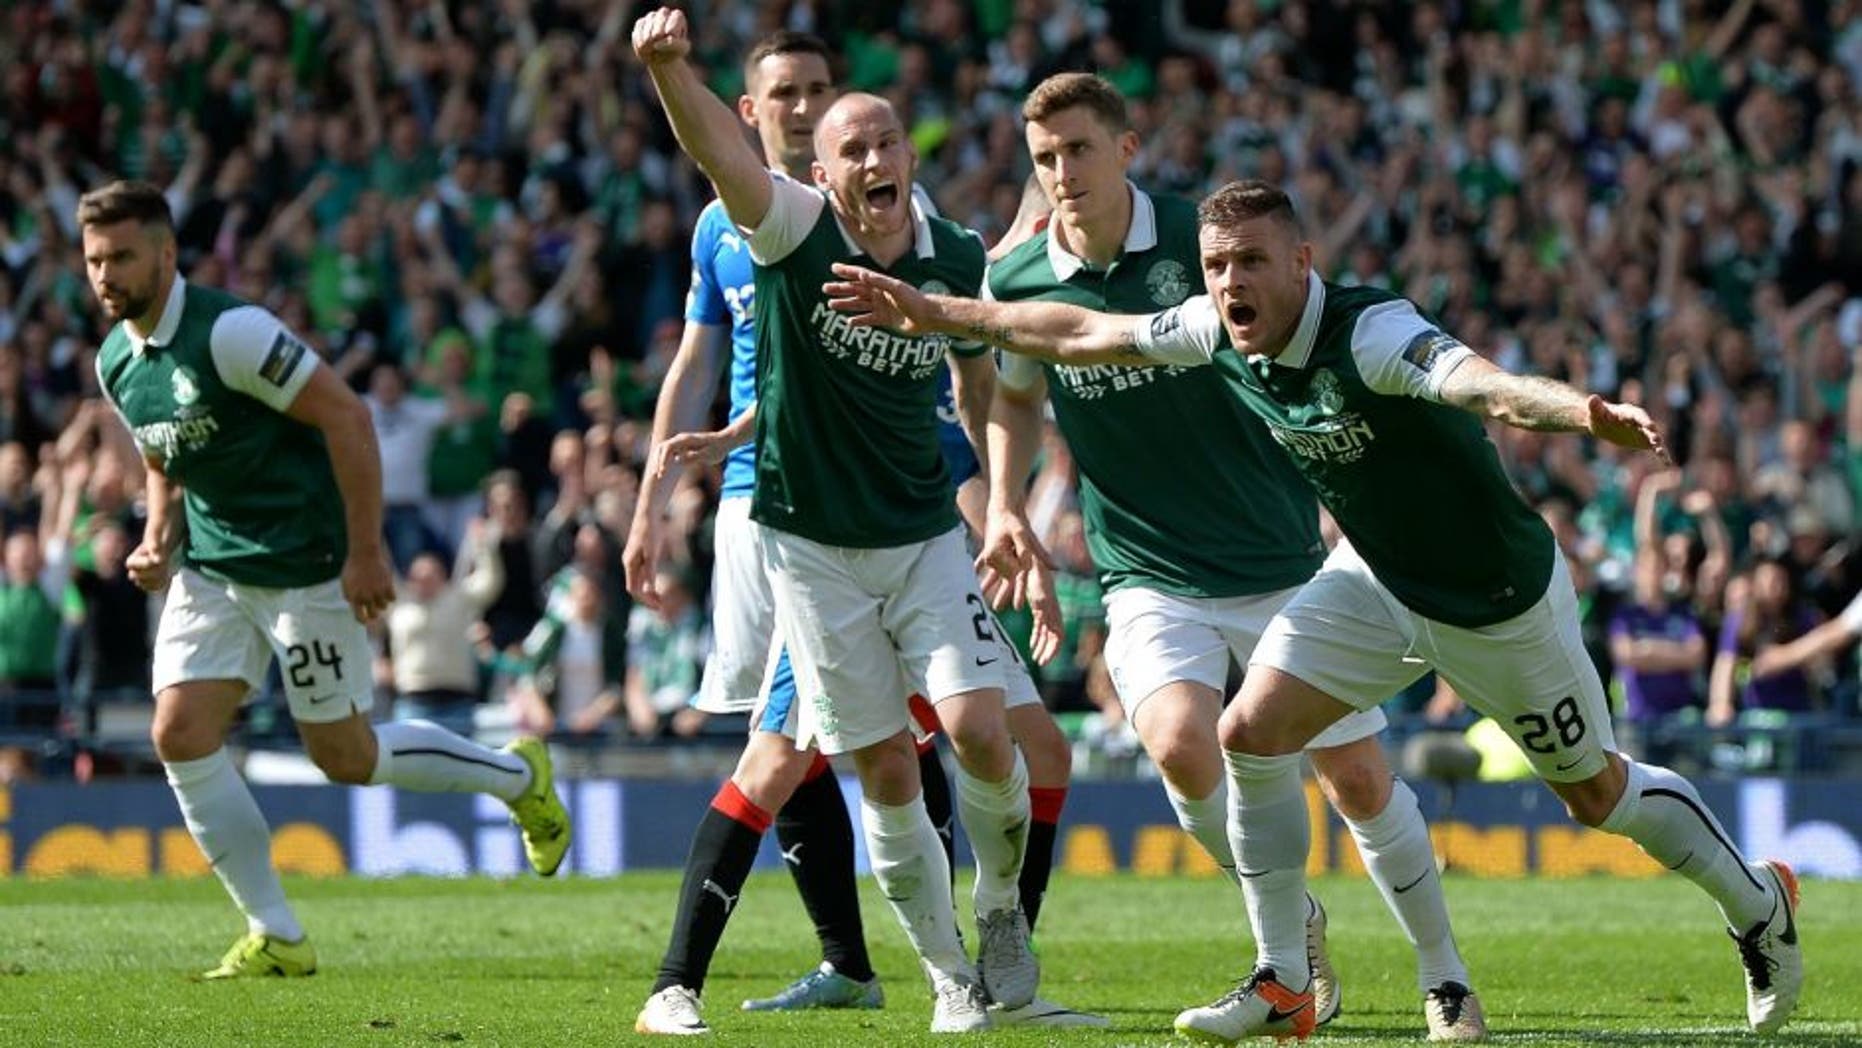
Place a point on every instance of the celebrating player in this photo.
(1442, 565)
(871, 581)
(1198, 548)
(280, 554)
(788, 86)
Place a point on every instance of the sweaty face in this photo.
(1256, 271)
(787, 96)
(865, 162)
(123, 261)
(1080, 164)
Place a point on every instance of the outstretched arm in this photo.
(704, 125)
(1533, 402)
(1051, 331)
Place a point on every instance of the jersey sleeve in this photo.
(793, 211)
(704, 302)
(257, 355)
(1189, 333)
(1402, 354)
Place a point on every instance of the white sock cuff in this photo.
(200, 769)
(1397, 816)
(892, 820)
(1199, 809)
(1245, 767)
(384, 761)
(1635, 781)
(1000, 794)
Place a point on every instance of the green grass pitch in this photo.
(478, 962)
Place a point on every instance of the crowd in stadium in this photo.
(477, 214)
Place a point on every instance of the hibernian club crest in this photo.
(1325, 394)
(186, 392)
(1169, 282)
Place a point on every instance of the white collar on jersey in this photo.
(922, 245)
(1142, 236)
(165, 328)
(1299, 348)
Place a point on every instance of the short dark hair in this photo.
(1249, 198)
(125, 200)
(786, 42)
(1064, 91)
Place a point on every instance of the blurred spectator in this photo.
(665, 653)
(1657, 647)
(1763, 611)
(405, 428)
(431, 663)
(34, 569)
(576, 659)
(1083, 614)
(517, 607)
(115, 634)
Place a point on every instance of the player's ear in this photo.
(1127, 145)
(746, 109)
(820, 174)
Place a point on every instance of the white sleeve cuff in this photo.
(793, 211)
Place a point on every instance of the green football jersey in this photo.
(846, 422)
(205, 397)
(1415, 484)
(1181, 487)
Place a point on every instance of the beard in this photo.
(129, 304)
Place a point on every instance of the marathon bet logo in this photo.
(1321, 429)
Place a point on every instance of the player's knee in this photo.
(181, 736)
(1358, 789)
(1245, 732)
(769, 779)
(981, 742)
(1186, 756)
(1044, 748)
(345, 766)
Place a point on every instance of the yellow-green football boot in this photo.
(257, 954)
(538, 812)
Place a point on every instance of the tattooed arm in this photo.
(1533, 402)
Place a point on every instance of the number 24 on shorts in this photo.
(300, 659)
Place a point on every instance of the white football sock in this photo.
(995, 815)
(1207, 821)
(420, 755)
(908, 861)
(225, 821)
(1661, 812)
(1397, 852)
(1268, 831)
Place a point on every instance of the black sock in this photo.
(936, 786)
(816, 835)
(723, 850)
(1044, 804)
